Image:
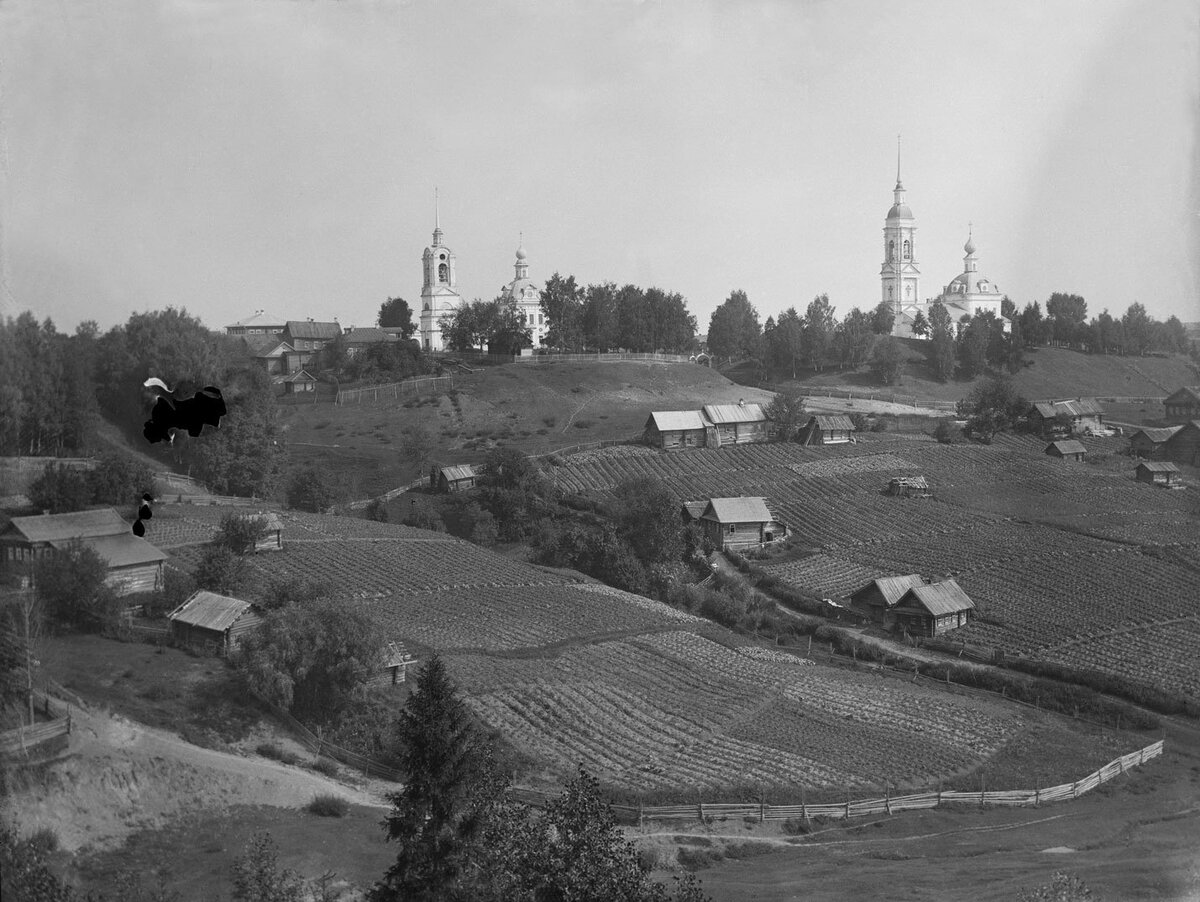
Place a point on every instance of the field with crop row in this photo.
(1158, 654)
(675, 709)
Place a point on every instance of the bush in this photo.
(796, 826)
(311, 489)
(121, 480)
(326, 766)
(946, 432)
(377, 511)
(44, 840)
(60, 489)
(647, 858)
(723, 609)
(240, 532)
(325, 805)
(276, 752)
(219, 570)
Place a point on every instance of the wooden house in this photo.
(933, 609)
(1158, 472)
(393, 670)
(358, 339)
(738, 522)
(1067, 449)
(673, 430)
(828, 430)
(1183, 406)
(261, 323)
(1082, 413)
(1151, 443)
(299, 383)
(909, 487)
(1184, 446)
(878, 597)
(29, 538)
(134, 565)
(212, 621)
(457, 478)
(271, 356)
(735, 424)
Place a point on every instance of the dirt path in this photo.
(121, 775)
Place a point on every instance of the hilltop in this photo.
(535, 408)
(1049, 372)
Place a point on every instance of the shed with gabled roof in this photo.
(823, 429)
(134, 565)
(737, 522)
(673, 430)
(299, 382)
(272, 535)
(395, 659)
(735, 424)
(880, 595)
(1083, 413)
(1184, 445)
(457, 478)
(933, 609)
(1151, 442)
(1158, 472)
(1067, 449)
(212, 621)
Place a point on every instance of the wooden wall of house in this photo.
(1141, 446)
(679, 439)
(196, 637)
(139, 578)
(1184, 446)
(242, 627)
(748, 433)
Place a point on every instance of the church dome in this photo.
(521, 255)
(900, 211)
(969, 247)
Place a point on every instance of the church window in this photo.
(907, 250)
(891, 292)
(443, 272)
(891, 251)
(908, 291)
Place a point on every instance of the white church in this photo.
(967, 295)
(439, 293)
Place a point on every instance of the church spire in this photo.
(437, 220)
(898, 184)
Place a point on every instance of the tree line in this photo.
(605, 317)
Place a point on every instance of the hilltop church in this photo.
(439, 293)
(966, 296)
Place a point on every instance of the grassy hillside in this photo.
(534, 408)
(1051, 372)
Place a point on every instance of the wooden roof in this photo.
(1158, 436)
(1183, 395)
(458, 471)
(733, 413)
(300, 376)
(55, 527)
(676, 420)
(1072, 408)
(892, 588)
(832, 423)
(1158, 466)
(737, 510)
(210, 611)
(1065, 447)
(310, 330)
(123, 550)
(695, 509)
(939, 599)
(366, 336)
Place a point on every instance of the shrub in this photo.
(311, 489)
(240, 532)
(720, 607)
(44, 840)
(647, 858)
(696, 859)
(324, 805)
(946, 432)
(796, 826)
(377, 511)
(60, 489)
(326, 766)
(276, 752)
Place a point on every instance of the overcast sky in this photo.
(282, 154)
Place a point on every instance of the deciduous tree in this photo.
(887, 359)
(395, 313)
(786, 411)
(942, 341)
(562, 303)
(734, 330)
(817, 335)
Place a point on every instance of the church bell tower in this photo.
(900, 275)
(439, 293)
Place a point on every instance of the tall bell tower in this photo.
(900, 275)
(439, 293)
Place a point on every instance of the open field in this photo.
(652, 699)
(1054, 553)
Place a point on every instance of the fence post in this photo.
(1075, 790)
(887, 797)
(803, 804)
(847, 802)
(641, 813)
(762, 807)
(699, 805)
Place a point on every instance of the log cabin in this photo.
(1151, 443)
(1183, 406)
(674, 430)
(214, 622)
(1067, 449)
(1158, 472)
(828, 430)
(736, 424)
(934, 609)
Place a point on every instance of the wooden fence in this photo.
(395, 390)
(889, 804)
(602, 356)
(389, 495)
(322, 747)
(588, 446)
(21, 741)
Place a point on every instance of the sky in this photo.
(228, 156)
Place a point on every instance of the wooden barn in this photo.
(211, 621)
(828, 430)
(933, 609)
(134, 565)
(673, 430)
(457, 478)
(909, 487)
(1151, 443)
(1183, 406)
(1067, 449)
(735, 424)
(878, 597)
(393, 670)
(1083, 413)
(299, 383)
(1184, 446)
(1158, 472)
(738, 522)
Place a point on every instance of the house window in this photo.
(732, 528)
